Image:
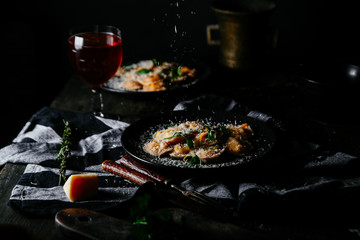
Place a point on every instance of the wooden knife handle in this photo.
(129, 162)
(125, 172)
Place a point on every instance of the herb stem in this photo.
(64, 151)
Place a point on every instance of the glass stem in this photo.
(97, 101)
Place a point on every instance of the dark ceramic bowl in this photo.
(329, 89)
(330, 75)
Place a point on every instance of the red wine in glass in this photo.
(95, 53)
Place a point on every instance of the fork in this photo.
(140, 174)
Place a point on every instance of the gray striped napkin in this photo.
(37, 145)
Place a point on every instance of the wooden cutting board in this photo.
(171, 223)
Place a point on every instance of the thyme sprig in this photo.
(64, 151)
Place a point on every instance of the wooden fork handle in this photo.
(125, 172)
(128, 161)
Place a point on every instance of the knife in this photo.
(172, 223)
(191, 200)
(86, 224)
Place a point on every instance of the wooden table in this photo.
(264, 93)
(74, 97)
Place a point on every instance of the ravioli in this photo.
(199, 143)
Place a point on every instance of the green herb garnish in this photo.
(143, 71)
(211, 135)
(227, 132)
(155, 61)
(142, 214)
(189, 142)
(141, 211)
(195, 160)
(141, 220)
(64, 152)
(175, 73)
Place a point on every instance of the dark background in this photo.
(34, 37)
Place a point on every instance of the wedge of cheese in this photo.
(81, 186)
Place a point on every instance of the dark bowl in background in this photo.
(330, 77)
(330, 89)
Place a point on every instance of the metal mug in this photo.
(244, 32)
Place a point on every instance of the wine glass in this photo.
(95, 53)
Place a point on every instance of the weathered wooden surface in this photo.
(276, 96)
(74, 97)
(14, 223)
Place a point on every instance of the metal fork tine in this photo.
(200, 198)
(206, 200)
